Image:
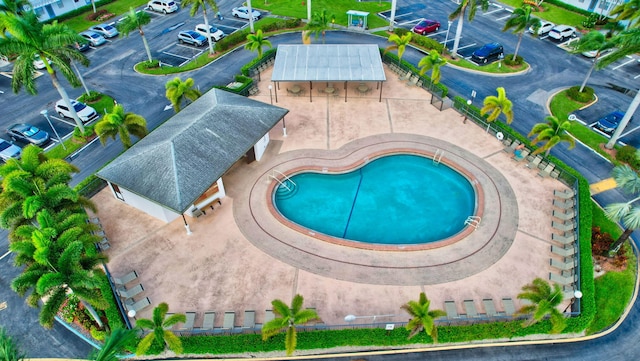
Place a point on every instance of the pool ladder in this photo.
(438, 156)
(473, 221)
(276, 173)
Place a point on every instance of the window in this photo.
(116, 191)
(60, 4)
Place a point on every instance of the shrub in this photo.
(93, 97)
(153, 64)
(98, 334)
(88, 131)
(97, 14)
(510, 61)
(421, 41)
(583, 97)
(627, 154)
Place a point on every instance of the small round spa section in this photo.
(419, 253)
(396, 199)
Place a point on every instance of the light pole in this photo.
(464, 121)
(351, 318)
(284, 127)
(45, 113)
(576, 296)
(132, 314)
(271, 94)
(446, 38)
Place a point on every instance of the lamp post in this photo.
(576, 296)
(271, 94)
(132, 314)
(351, 318)
(45, 113)
(446, 38)
(284, 127)
(464, 121)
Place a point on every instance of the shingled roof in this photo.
(183, 157)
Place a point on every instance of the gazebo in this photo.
(357, 19)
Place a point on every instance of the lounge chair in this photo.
(249, 320)
(229, 320)
(534, 163)
(566, 194)
(564, 252)
(509, 306)
(406, 76)
(131, 292)
(511, 148)
(450, 309)
(209, 320)
(188, 325)
(125, 279)
(470, 308)
(547, 170)
(568, 204)
(562, 280)
(565, 216)
(571, 238)
(413, 80)
(94, 220)
(564, 226)
(523, 154)
(104, 245)
(268, 316)
(567, 265)
(489, 307)
(137, 306)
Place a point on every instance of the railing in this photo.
(473, 221)
(437, 157)
(274, 176)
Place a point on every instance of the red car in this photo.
(426, 26)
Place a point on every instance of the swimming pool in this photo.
(395, 199)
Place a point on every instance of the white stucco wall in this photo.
(46, 8)
(261, 146)
(145, 205)
(596, 6)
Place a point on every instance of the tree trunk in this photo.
(92, 312)
(615, 247)
(625, 120)
(308, 10)
(392, 18)
(206, 23)
(93, 3)
(84, 85)
(146, 45)
(250, 17)
(515, 53)
(456, 41)
(584, 83)
(67, 101)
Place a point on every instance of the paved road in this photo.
(111, 73)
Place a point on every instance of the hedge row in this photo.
(241, 36)
(420, 40)
(393, 58)
(246, 69)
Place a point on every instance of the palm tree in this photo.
(34, 183)
(286, 319)
(544, 301)
(135, 21)
(160, 332)
(459, 13)
(256, 41)
(114, 344)
(9, 349)
(195, 6)
(421, 317)
(592, 41)
(120, 123)
(628, 180)
(496, 105)
(178, 90)
(521, 20)
(320, 23)
(432, 62)
(30, 38)
(400, 43)
(629, 10)
(552, 132)
(14, 6)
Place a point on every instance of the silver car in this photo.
(28, 133)
(93, 38)
(8, 150)
(105, 30)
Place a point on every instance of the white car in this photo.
(242, 12)
(85, 112)
(38, 63)
(163, 6)
(105, 30)
(216, 34)
(561, 32)
(544, 28)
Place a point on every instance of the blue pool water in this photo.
(395, 199)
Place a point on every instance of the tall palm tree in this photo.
(286, 319)
(320, 23)
(178, 90)
(544, 301)
(629, 10)
(552, 132)
(14, 6)
(496, 105)
(592, 41)
(520, 21)
(9, 349)
(459, 13)
(195, 6)
(123, 124)
(421, 317)
(30, 38)
(256, 41)
(160, 332)
(399, 43)
(135, 21)
(114, 344)
(628, 180)
(432, 62)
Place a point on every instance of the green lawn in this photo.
(553, 13)
(298, 9)
(80, 22)
(496, 67)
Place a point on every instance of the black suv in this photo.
(488, 52)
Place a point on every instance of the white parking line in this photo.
(466, 46)
(625, 63)
(504, 17)
(637, 76)
(176, 55)
(124, 55)
(493, 11)
(4, 255)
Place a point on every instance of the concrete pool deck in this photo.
(217, 268)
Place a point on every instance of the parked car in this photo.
(610, 122)
(8, 150)
(561, 32)
(105, 30)
(85, 112)
(544, 28)
(38, 63)
(487, 53)
(93, 38)
(163, 6)
(82, 46)
(243, 13)
(425, 26)
(216, 34)
(28, 133)
(191, 37)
